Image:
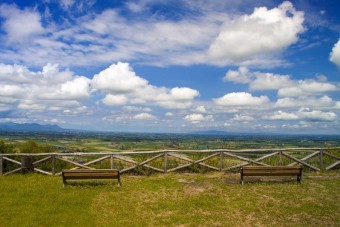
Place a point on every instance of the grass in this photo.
(211, 199)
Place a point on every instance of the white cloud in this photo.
(201, 109)
(123, 86)
(241, 99)
(322, 102)
(47, 89)
(20, 25)
(280, 115)
(114, 100)
(196, 118)
(258, 80)
(239, 117)
(144, 116)
(136, 109)
(335, 54)
(307, 87)
(118, 78)
(316, 115)
(257, 34)
(111, 35)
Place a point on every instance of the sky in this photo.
(172, 66)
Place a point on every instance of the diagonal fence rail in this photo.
(165, 161)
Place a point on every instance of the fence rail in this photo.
(166, 161)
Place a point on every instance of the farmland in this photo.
(113, 142)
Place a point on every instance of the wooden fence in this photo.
(166, 161)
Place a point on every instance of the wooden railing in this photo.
(166, 161)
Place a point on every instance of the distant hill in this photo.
(30, 127)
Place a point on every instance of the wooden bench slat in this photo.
(88, 174)
(271, 171)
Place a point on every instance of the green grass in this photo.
(212, 199)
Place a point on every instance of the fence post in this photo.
(165, 161)
(280, 158)
(221, 160)
(111, 161)
(53, 164)
(321, 159)
(1, 166)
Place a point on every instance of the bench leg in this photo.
(299, 178)
(241, 179)
(119, 184)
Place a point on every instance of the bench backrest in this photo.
(271, 170)
(91, 174)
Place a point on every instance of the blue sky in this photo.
(172, 66)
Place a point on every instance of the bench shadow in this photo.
(258, 180)
(90, 184)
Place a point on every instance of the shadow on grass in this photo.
(87, 184)
(268, 180)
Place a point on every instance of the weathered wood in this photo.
(223, 153)
(1, 166)
(192, 162)
(86, 174)
(301, 162)
(271, 171)
(74, 163)
(321, 159)
(280, 158)
(332, 166)
(245, 159)
(111, 161)
(221, 161)
(145, 162)
(305, 158)
(42, 160)
(247, 163)
(53, 165)
(331, 155)
(94, 161)
(12, 171)
(12, 160)
(165, 161)
(26, 164)
(135, 163)
(42, 171)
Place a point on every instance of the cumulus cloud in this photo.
(118, 78)
(50, 88)
(303, 114)
(258, 80)
(196, 118)
(307, 87)
(286, 86)
(316, 115)
(322, 102)
(335, 54)
(239, 117)
(259, 33)
(281, 115)
(123, 86)
(144, 116)
(20, 25)
(241, 99)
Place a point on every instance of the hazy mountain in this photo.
(29, 127)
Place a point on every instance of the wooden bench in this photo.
(88, 174)
(272, 171)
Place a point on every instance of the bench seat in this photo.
(272, 171)
(88, 174)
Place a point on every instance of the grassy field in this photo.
(212, 199)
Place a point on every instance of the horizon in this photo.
(249, 67)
